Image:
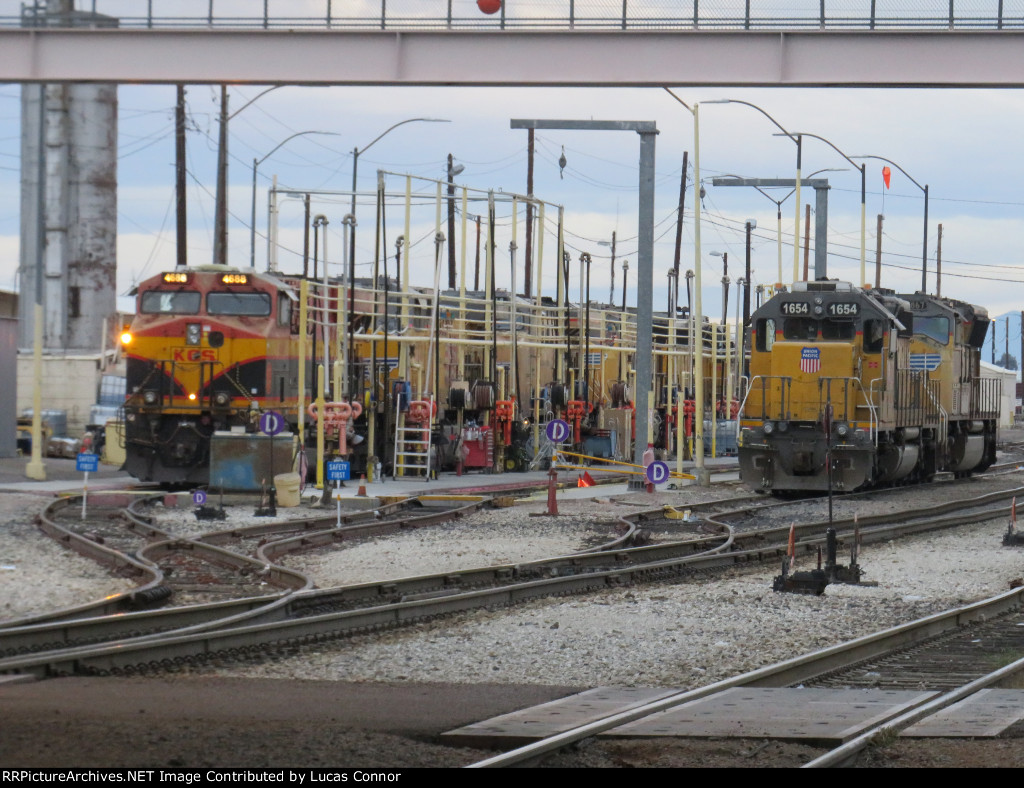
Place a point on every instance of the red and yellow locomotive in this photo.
(210, 348)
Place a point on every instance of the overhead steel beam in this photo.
(821, 187)
(644, 360)
(817, 58)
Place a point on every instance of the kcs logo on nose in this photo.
(194, 354)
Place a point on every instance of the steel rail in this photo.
(780, 674)
(426, 597)
(562, 575)
(847, 751)
(61, 628)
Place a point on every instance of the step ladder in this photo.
(412, 447)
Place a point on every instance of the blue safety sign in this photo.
(199, 497)
(657, 472)
(87, 462)
(338, 471)
(557, 431)
(272, 423)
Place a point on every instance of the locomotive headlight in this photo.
(193, 333)
(149, 396)
(783, 426)
(192, 397)
(769, 428)
(221, 399)
(842, 430)
(126, 338)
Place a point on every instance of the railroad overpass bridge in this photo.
(737, 43)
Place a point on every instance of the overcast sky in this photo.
(961, 143)
(964, 144)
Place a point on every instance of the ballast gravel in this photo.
(679, 634)
(683, 633)
(674, 634)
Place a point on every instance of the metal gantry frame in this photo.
(430, 319)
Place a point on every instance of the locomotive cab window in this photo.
(874, 336)
(936, 328)
(164, 302)
(800, 328)
(284, 309)
(765, 337)
(239, 304)
(837, 329)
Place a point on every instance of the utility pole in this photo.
(451, 226)
(220, 231)
(528, 263)
(751, 224)
(179, 178)
(878, 253)
(938, 265)
(679, 229)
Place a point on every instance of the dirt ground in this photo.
(186, 721)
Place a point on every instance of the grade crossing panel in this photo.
(819, 716)
(548, 719)
(823, 716)
(986, 713)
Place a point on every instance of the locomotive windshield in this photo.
(230, 303)
(165, 302)
(936, 328)
(808, 328)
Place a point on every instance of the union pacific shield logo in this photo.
(925, 361)
(810, 359)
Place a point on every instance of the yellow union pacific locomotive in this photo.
(851, 388)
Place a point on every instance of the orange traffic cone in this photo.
(362, 487)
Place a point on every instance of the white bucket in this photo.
(287, 485)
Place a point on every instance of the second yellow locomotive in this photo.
(851, 388)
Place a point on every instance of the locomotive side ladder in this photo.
(412, 447)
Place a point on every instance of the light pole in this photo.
(622, 317)
(924, 245)
(702, 475)
(220, 229)
(863, 193)
(761, 184)
(256, 163)
(750, 225)
(355, 165)
(799, 156)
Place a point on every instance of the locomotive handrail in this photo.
(783, 379)
(872, 408)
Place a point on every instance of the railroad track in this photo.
(957, 654)
(314, 615)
